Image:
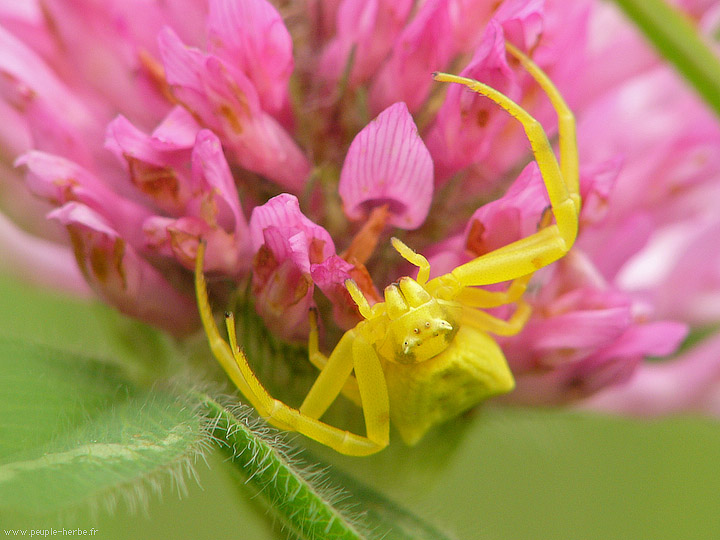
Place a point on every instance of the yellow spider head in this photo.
(419, 326)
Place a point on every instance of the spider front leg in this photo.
(353, 353)
(550, 243)
(488, 323)
(319, 360)
(468, 296)
(367, 369)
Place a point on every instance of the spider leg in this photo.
(331, 379)
(569, 166)
(413, 258)
(239, 372)
(235, 364)
(488, 323)
(550, 243)
(469, 296)
(481, 298)
(373, 391)
(359, 298)
(319, 360)
(353, 353)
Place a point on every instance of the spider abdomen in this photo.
(472, 368)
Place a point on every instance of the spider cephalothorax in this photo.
(415, 326)
(425, 353)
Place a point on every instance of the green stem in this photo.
(677, 39)
(302, 507)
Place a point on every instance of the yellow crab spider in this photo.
(424, 354)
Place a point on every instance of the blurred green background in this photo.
(497, 473)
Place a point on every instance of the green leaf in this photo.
(75, 431)
(678, 40)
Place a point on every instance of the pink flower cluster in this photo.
(277, 137)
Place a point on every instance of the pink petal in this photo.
(513, 216)
(330, 276)
(60, 181)
(15, 135)
(20, 64)
(213, 214)
(424, 46)
(28, 11)
(467, 125)
(265, 147)
(387, 163)
(157, 238)
(671, 151)
(685, 384)
(284, 300)
(124, 139)
(25, 21)
(226, 101)
(694, 299)
(179, 238)
(287, 245)
(222, 254)
(576, 325)
(355, 18)
(55, 133)
(467, 17)
(607, 371)
(281, 281)
(38, 261)
(584, 330)
(156, 167)
(597, 181)
(178, 129)
(603, 49)
(611, 245)
(56, 118)
(522, 21)
(251, 35)
(283, 214)
(211, 171)
(98, 46)
(655, 338)
(185, 72)
(116, 272)
(368, 28)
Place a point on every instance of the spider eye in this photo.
(416, 330)
(427, 324)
